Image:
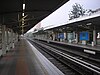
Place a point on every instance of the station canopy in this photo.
(24, 14)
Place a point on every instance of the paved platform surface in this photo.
(95, 48)
(25, 59)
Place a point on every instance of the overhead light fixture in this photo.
(68, 27)
(22, 24)
(88, 24)
(23, 14)
(23, 6)
(80, 25)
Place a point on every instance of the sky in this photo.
(60, 16)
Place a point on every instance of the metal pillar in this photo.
(54, 36)
(11, 39)
(65, 36)
(16, 37)
(8, 39)
(14, 40)
(0, 39)
(76, 37)
(3, 39)
(94, 37)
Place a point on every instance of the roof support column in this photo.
(76, 37)
(12, 39)
(16, 37)
(3, 39)
(53, 36)
(8, 39)
(94, 37)
(0, 39)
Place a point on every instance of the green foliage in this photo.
(77, 11)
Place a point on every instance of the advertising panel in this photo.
(84, 36)
(61, 36)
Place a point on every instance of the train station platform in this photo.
(25, 59)
(93, 51)
(96, 48)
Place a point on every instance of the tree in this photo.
(77, 11)
(35, 30)
(90, 11)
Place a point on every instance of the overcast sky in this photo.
(60, 16)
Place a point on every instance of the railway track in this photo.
(75, 53)
(76, 64)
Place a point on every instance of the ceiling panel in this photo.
(36, 10)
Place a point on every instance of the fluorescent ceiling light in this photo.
(23, 6)
(89, 24)
(22, 24)
(23, 14)
(79, 25)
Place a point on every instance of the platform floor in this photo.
(95, 48)
(25, 59)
